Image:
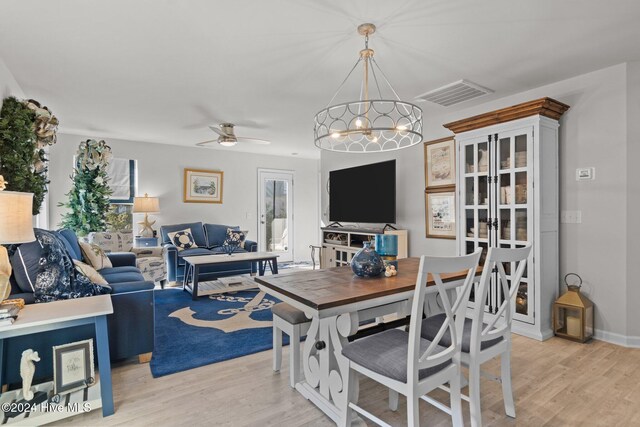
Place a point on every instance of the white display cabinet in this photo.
(507, 196)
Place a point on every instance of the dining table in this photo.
(337, 302)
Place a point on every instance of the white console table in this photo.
(35, 318)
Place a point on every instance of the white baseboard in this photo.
(618, 339)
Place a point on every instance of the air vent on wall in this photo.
(454, 93)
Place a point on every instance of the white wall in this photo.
(8, 84)
(633, 202)
(593, 133)
(160, 173)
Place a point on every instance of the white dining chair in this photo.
(480, 341)
(405, 362)
(294, 323)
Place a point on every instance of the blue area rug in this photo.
(189, 334)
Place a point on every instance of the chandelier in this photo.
(372, 123)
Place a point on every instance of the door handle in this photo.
(262, 222)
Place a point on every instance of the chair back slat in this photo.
(500, 323)
(436, 266)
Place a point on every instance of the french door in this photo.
(496, 198)
(275, 212)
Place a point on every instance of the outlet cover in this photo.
(585, 174)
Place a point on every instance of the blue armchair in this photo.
(209, 238)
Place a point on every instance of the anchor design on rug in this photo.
(240, 320)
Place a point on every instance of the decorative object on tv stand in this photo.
(573, 312)
(202, 186)
(15, 227)
(387, 248)
(88, 203)
(375, 122)
(26, 129)
(146, 205)
(366, 262)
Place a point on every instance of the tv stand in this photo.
(335, 224)
(340, 244)
(388, 226)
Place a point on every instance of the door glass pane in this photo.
(468, 155)
(505, 224)
(470, 189)
(483, 190)
(470, 224)
(276, 193)
(521, 151)
(506, 196)
(483, 158)
(522, 298)
(521, 224)
(521, 188)
(482, 223)
(505, 153)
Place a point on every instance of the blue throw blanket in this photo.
(57, 277)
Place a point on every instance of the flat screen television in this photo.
(363, 194)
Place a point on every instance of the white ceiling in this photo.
(162, 70)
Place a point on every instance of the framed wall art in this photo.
(73, 367)
(441, 213)
(202, 186)
(440, 163)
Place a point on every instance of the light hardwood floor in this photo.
(556, 383)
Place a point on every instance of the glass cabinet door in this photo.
(515, 208)
(496, 205)
(475, 195)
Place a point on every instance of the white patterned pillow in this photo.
(236, 237)
(182, 239)
(95, 256)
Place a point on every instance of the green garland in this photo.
(22, 160)
(89, 197)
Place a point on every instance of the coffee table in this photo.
(193, 264)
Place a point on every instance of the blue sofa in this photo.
(209, 238)
(131, 326)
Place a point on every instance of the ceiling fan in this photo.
(228, 138)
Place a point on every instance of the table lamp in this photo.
(16, 226)
(146, 205)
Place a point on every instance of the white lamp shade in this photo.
(16, 217)
(146, 204)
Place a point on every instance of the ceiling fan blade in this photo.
(206, 143)
(253, 140)
(218, 131)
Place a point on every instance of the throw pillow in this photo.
(95, 256)
(236, 237)
(183, 239)
(90, 272)
(56, 276)
(26, 264)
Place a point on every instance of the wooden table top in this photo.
(334, 287)
(223, 258)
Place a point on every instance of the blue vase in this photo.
(366, 262)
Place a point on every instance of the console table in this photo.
(35, 318)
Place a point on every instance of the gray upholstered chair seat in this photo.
(431, 326)
(289, 314)
(386, 354)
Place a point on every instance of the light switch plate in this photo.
(585, 174)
